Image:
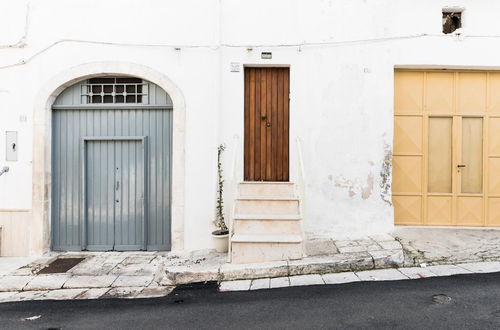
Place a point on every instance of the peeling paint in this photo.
(385, 175)
(367, 190)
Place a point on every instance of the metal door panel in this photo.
(99, 195)
(69, 127)
(129, 195)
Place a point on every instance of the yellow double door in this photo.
(446, 159)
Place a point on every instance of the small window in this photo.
(452, 20)
(113, 90)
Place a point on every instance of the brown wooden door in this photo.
(266, 124)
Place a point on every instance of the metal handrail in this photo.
(233, 189)
(4, 169)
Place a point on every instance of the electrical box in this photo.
(11, 147)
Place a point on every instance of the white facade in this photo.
(342, 55)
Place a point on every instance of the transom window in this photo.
(114, 90)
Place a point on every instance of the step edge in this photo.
(267, 217)
(268, 198)
(248, 238)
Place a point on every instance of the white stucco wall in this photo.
(342, 54)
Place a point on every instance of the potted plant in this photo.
(221, 235)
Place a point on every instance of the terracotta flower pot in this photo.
(221, 241)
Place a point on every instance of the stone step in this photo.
(274, 217)
(266, 227)
(267, 205)
(270, 189)
(266, 238)
(254, 252)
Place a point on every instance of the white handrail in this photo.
(233, 190)
(301, 186)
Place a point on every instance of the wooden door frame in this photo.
(290, 152)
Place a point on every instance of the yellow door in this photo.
(446, 160)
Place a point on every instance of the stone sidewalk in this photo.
(389, 274)
(154, 274)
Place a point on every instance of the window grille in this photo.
(114, 90)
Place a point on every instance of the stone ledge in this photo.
(355, 261)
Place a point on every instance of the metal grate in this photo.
(61, 265)
(114, 90)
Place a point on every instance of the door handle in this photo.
(460, 166)
(263, 117)
(117, 185)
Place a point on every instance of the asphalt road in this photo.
(474, 304)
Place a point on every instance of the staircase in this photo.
(266, 223)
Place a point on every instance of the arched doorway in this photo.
(111, 166)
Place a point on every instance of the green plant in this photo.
(219, 221)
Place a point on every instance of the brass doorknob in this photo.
(263, 117)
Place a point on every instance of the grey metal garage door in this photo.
(111, 166)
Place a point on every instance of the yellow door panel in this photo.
(470, 211)
(472, 155)
(446, 163)
(407, 210)
(440, 155)
(494, 137)
(439, 92)
(494, 212)
(407, 174)
(408, 92)
(439, 210)
(494, 177)
(471, 92)
(494, 95)
(407, 135)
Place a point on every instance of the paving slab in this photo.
(447, 270)
(28, 295)
(129, 280)
(252, 271)
(85, 281)
(339, 278)
(381, 275)
(95, 293)
(237, 285)
(390, 245)
(5, 296)
(93, 268)
(134, 269)
(122, 292)
(14, 283)
(300, 280)
(330, 264)
(388, 258)
(154, 292)
(382, 237)
(62, 294)
(416, 272)
(261, 283)
(47, 282)
(450, 245)
(280, 282)
(320, 246)
(10, 264)
(349, 249)
(138, 259)
(482, 267)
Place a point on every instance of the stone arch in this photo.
(42, 125)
